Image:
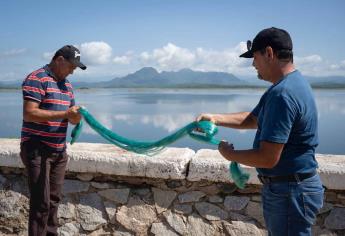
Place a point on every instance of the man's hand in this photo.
(73, 115)
(225, 148)
(206, 116)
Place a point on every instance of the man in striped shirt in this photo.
(47, 108)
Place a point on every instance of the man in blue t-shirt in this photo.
(48, 107)
(284, 146)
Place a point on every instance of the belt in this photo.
(298, 177)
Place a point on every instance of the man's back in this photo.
(288, 115)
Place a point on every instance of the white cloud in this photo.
(314, 65)
(169, 122)
(170, 57)
(308, 60)
(104, 119)
(125, 60)
(48, 55)
(98, 57)
(95, 53)
(14, 52)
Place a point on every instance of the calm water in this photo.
(150, 114)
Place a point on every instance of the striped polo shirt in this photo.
(41, 87)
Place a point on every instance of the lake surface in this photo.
(151, 114)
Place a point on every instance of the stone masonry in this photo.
(109, 191)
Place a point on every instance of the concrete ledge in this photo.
(210, 165)
(172, 163)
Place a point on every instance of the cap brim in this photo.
(80, 65)
(248, 54)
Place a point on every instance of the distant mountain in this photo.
(185, 78)
(327, 82)
(149, 77)
(11, 84)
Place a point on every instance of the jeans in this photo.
(46, 172)
(290, 208)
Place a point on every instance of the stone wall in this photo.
(108, 191)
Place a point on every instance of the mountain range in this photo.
(149, 77)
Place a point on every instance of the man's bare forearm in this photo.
(40, 115)
(241, 120)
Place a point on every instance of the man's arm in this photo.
(32, 113)
(267, 156)
(241, 120)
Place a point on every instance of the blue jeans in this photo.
(290, 208)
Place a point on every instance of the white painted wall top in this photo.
(172, 163)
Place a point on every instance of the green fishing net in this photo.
(208, 129)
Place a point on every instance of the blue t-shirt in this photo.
(287, 114)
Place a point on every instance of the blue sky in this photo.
(120, 37)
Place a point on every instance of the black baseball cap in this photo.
(278, 39)
(71, 54)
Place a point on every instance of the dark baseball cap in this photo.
(71, 54)
(278, 39)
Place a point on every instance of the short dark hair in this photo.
(282, 54)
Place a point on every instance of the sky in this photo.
(120, 37)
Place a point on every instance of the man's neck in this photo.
(53, 70)
(281, 71)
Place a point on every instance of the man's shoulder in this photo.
(39, 73)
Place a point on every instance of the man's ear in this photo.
(269, 52)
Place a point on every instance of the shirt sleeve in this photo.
(72, 99)
(32, 89)
(256, 110)
(278, 119)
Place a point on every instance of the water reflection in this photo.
(152, 114)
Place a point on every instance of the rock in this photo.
(254, 210)
(122, 232)
(336, 219)
(256, 198)
(91, 212)
(196, 226)
(2, 182)
(326, 207)
(238, 217)
(66, 209)
(193, 196)
(317, 231)
(227, 188)
(13, 210)
(234, 203)
(101, 185)
(84, 177)
(110, 209)
(20, 185)
(215, 199)
(161, 229)
(176, 222)
(68, 229)
(183, 209)
(163, 199)
(211, 211)
(142, 192)
(210, 189)
(74, 186)
(136, 215)
(173, 183)
(116, 195)
(236, 228)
